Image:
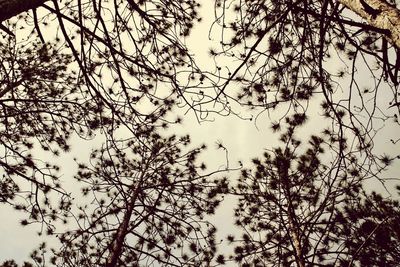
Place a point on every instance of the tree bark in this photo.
(118, 242)
(380, 14)
(386, 17)
(283, 169)
(11, 8)
(296, 241)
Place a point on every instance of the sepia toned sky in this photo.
(244, 140)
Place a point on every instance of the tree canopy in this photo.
(119, 75)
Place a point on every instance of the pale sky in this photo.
(244, 140)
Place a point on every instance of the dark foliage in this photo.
(147, 206)
(300, 206)
(118, 69)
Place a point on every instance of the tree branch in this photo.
(11, 8)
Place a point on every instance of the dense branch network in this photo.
(119, 70)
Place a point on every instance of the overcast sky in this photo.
(244, 140)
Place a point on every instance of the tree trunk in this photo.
(377, 13)
(293, 232)
(283, 169)
(118, 242)
(11, 8)
(380, 14)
